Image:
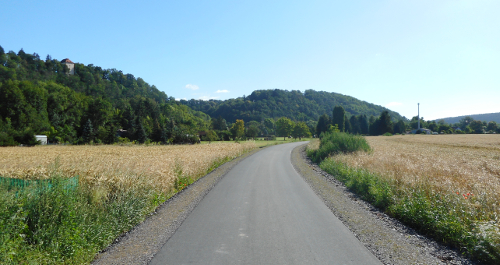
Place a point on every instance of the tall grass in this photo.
(463, 220)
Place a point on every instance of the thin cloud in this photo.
(192, 87)
(205, 98)
(222, 91)
(392, 104)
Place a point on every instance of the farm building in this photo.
(41, 138)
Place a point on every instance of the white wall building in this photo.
(42, 138)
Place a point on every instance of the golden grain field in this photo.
(107, 165)
(446, 164)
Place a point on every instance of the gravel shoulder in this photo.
(389, 240)
(386, 238)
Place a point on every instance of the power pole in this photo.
(418, 116)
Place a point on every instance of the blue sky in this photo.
(443, 54)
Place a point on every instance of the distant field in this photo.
(108, 165)
(448, 163)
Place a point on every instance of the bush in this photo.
(387, 134)
(338, 142)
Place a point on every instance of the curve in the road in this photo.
(262, 212)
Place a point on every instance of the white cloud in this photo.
(179, 99)
(392, 104)
(222, 91)
(192, 87)
(207, 98)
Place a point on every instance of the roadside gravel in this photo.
(389, 240)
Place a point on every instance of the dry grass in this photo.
(107, 166)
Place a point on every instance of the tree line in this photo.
(359, 124)
(383, 124)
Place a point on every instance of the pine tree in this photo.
(338, 117)
(88, 132)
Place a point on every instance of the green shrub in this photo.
(387, 134)
(338, 142)
(61, 226)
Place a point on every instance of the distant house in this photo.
(42, 139)
(70, 65)
(121, 133)
(427, 131)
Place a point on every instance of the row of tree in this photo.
(359, 124)
(465, 125)
(268, 128)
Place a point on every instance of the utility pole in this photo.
(418, 116)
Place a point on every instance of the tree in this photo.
(465, 121)
(300, 130)
(284, 127)
(219, 124)
(492, 126)
(210, 136)
(347, 127)
(88, 132)
(385, 125)
(252, 131)
(355, 129)
(323, 124)
(269, 123)
(141, 133)
(338, 117)
(238, 129)
(400, 127)
(363, 124)
(477, 126)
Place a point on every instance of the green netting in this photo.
(42, 184)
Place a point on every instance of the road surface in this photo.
(262, 212)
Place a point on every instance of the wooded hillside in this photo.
(42, 97)
(298, 106)
(479, 117)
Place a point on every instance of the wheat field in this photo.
(112, 165)
(449, 163)
(464, 169)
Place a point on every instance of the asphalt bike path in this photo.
(263, 212)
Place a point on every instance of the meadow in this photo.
(118, 187)
(445, 186)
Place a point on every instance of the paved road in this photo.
(262, 212)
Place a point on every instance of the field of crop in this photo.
(446, 186)
(118, 187)
(107, 165)
(447, 164)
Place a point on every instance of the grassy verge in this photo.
(61, 226)
(448, 218)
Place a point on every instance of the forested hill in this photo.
(479, 117)
(44, 97)
(293, 104)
